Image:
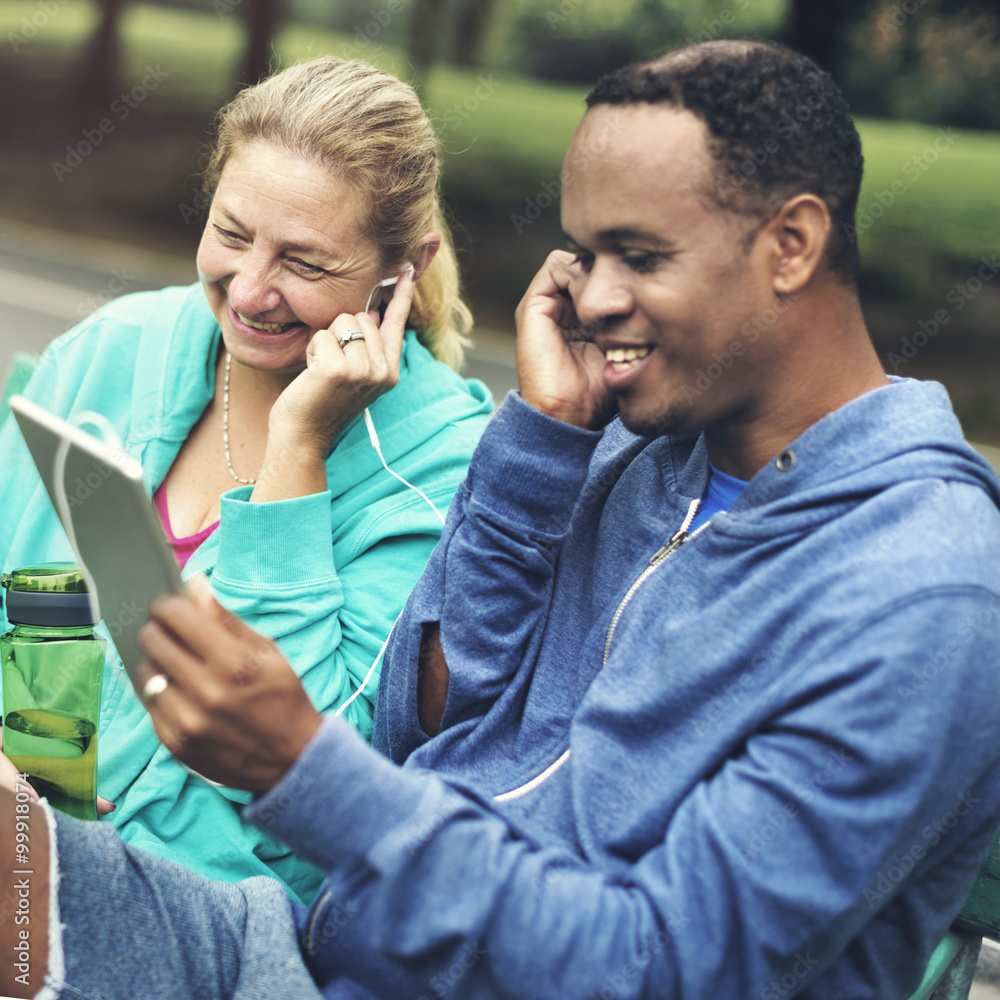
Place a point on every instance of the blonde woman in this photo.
(243, 397)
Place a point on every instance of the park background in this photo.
(106, 108)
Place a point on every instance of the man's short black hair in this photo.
(778, 126)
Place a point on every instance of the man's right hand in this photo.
(558, 366)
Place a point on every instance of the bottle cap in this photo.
(49, 594)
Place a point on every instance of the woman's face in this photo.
(282, 255)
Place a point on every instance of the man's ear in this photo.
(426, 250)
(800, 236)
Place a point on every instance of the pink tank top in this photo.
(183, 548)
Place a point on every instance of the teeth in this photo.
(623, 357)
(263, 327)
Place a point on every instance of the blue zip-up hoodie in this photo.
(765, 764)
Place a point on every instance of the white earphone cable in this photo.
(373, 437)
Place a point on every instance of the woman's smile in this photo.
(283, 254)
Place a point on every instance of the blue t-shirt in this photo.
(721, 494)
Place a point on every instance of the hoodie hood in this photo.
(916, 436)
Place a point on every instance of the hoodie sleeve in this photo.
(330, 606)
(494, 568)
(764, 875)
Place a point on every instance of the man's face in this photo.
(663, 279)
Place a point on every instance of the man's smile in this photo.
(623, 358)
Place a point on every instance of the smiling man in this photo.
(697, 695)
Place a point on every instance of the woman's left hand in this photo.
(232, 708)
(337, 384)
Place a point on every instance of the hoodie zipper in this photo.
(676, 540)
(317, 910)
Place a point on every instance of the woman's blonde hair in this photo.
(366, 124)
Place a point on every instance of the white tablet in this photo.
(118, 535)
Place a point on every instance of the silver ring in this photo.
(351, 335)
(156, 684)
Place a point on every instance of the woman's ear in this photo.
(426, 250)
(800, 235)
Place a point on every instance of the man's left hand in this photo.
(232, 709)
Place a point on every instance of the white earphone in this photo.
(373, 437)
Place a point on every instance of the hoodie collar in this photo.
(906, 430)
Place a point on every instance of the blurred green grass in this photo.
(504, 136)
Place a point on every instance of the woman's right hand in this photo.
(11, 778)
(337, 384)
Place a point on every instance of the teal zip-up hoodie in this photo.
(324, 575)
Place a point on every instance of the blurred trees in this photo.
(930, 60)
(817, 29)
(838, 32)
(925, 60)
(99, 78)
(262, 19)
(472, 22)
(427, 24)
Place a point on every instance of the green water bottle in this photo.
(52, 664)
